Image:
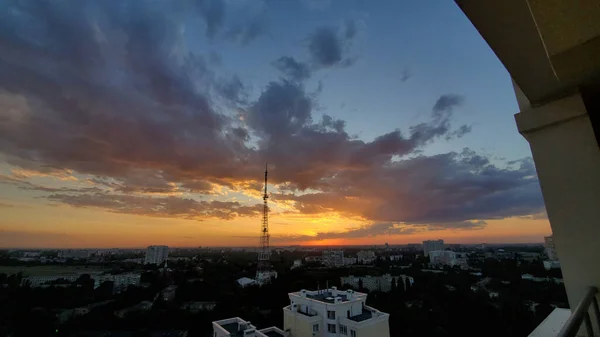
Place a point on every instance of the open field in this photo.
(50, 270)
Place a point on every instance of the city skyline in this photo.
(151, 124)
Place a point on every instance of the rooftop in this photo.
(327, 296)
(365, 315)
(273, 334)
(233, 329)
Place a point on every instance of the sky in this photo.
(131, 123)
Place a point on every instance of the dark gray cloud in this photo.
(174, 207)
(292, 69)
(249, 30)
(213, 13)
(447, 103)
(328, 46)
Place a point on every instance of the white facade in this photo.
(331, 312)
(240, 328)
(378, 283)
(440, 258)
(333, 258)
(156, 254)
(366, 257)
(432, 245)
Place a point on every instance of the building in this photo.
(121, 281)
(377, 283)
(440, 258)
(321, 313)
(296, 264)
(237, 327)
(549, 248)
(198, 306)
(333, 258)
(366, 257)
(549, 264)
(348, 261)
(245, 282)
(332, 312)
(39, 281)
(156, 254)
(431, 245)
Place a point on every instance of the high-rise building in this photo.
(549, 248)
(431, 245)
(156, 254)
(320, 313)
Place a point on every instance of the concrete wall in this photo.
(567, 159)
(301, 326)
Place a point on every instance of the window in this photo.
(330, 314)
(343, 330)
(331, 328)
(315, 327)
(352, 333)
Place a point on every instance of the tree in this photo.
(360, 285)
(394, 287)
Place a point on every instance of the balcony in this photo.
(563, 323)
(367, 316)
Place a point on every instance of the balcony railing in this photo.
(581, 315)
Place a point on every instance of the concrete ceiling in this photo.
(550, 47)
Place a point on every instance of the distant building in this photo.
(377, 283)
(74, 254)
(432, 245)
(440, 258)
(396, 257)
(245, 282)
(313, 259)
(296, 264)
(156, 254)
(348, 261)
(549, 248)
(121, 281)
(195, 306)
(333, 258)
(366, 257)
(549, 264)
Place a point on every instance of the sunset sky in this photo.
(130, 123)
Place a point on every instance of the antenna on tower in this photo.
(263, 270)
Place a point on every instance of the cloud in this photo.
(405, 76)
(172, 207)
(213, 13)
(328, 47)
(292, 69)
(249, 29)
(122, 103)
(381, 229)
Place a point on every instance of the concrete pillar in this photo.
(567, 159)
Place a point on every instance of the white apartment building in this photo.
(321, 313)
(377, 283)
(431, 245)
(332, 312)
(156, 254)
(333, 258)
(366, 257)
(237, 327)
